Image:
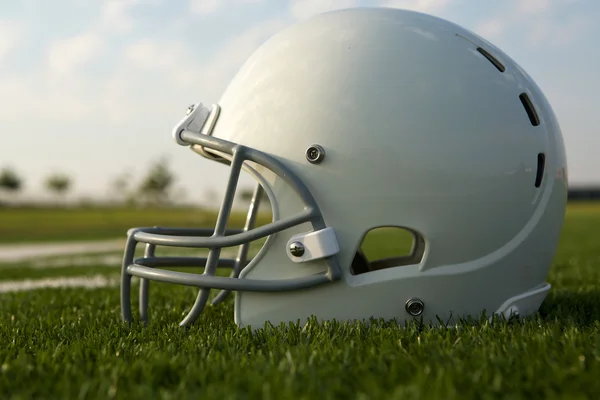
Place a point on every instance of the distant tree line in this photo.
(156, 188)
(584, 193)
(12, 182)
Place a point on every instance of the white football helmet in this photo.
(364, 118)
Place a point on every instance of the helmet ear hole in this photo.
(388, 247)
(360, 264)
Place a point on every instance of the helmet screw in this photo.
(414, 306)
(190, 109)
(315, 154)
(297, 249)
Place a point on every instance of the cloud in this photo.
(204, 6)
(537, 22)
(302, 9)
(492, 27)
(168, 60)
(66, 55)
(565, 32)
(549, 22)
(146, 79)
(32, 96)
(10, 36)
(222, 67)
(532, 6)
(116, 15)
(151, 54)
(165, 58)
(424, 6)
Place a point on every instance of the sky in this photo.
(93, 88)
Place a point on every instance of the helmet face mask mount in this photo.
(366, 118)
(323, 239)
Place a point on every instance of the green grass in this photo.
(20, 272)
(69, 343)
(54, 224)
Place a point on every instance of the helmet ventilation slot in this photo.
(529, 109)
(491, 59)
(541, 164)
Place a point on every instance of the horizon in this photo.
(92, 89)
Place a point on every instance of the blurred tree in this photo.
(245, 194)
(121, 183)
(58, 183)
(211, 197)
(180, 194)
(10, 181)
(157, 183)
(120, 189)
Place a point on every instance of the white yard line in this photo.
(62, 254)
(96, 260)
(22, 252)
(87, 282)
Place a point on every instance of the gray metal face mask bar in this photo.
(216, 239)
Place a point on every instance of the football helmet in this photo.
(363, 118)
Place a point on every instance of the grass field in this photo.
(70, 343)
(47, 224)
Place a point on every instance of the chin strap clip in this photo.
(312, 245)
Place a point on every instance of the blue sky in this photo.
(93, 88)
